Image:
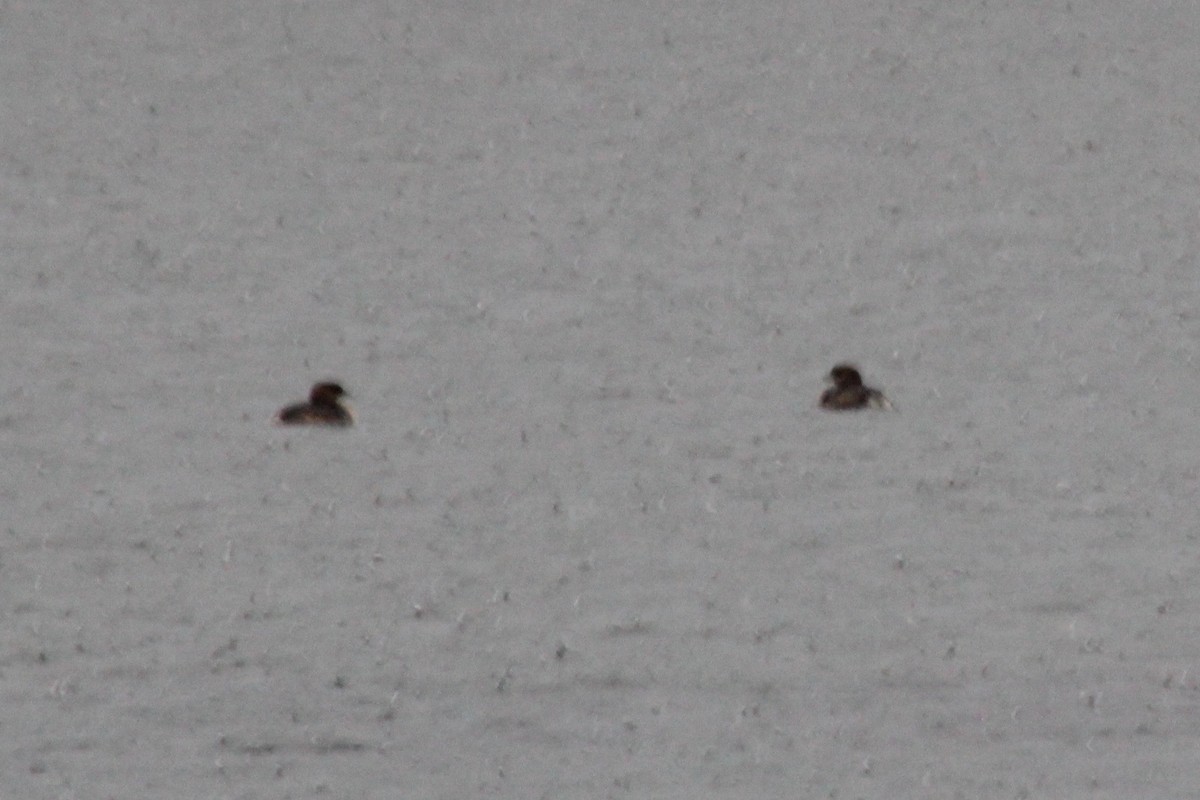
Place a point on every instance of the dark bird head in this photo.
(845, 376)
(326, 393)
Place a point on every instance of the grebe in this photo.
(848, 392)
(324, 407)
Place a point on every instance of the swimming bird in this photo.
(324, 407)
(848, 392)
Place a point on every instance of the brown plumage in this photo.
(324, 407)
(848, 392)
